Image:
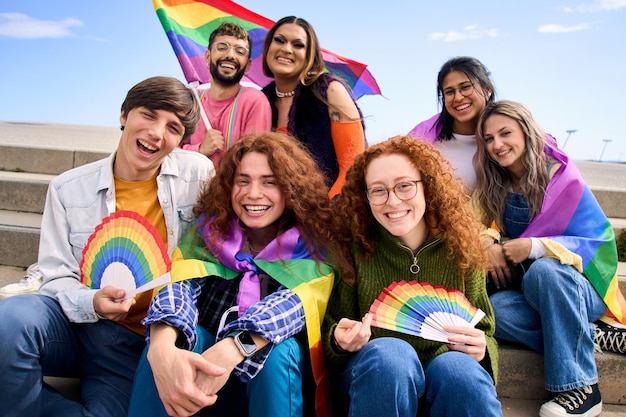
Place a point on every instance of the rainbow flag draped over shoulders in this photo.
(572, 217)
(312, 281)
(188, 24)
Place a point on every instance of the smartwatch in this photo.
(244, 343)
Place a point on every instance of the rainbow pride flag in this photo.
(188, 24)
(572, 217)
(295, 269)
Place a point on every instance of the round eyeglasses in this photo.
(466, 89)
(225, 46)
(404, 190)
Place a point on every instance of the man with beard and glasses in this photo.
(232, 109)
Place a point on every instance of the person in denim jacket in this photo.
(68, 329)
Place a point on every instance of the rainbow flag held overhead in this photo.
(188, 24)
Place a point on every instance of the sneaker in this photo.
(610, 335)
(581, 402)
(29, 284)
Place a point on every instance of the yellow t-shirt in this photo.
(140, 197)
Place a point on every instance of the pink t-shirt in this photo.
(252, 114)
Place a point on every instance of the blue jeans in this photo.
(38, 340)
(275, 391)
(553, 314)
(386, 378)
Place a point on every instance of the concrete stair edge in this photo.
(521, 375)
(45, 160)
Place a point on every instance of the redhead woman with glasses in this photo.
(403, 216)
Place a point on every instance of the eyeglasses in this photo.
(465, 89)
(405, 190)
(225, 46)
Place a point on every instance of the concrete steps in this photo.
(521, 375)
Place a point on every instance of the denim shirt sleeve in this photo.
(58, 262)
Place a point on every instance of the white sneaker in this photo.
(28, 285)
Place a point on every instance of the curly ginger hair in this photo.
(301, 183)
(448, 213)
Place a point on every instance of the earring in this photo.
(122, 128)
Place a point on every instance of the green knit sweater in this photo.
(389, 263)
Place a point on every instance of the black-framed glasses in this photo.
(225, 46)
(466, 90)
(405, 190)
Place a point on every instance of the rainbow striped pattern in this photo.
(188, 24)
(125, 251)
(571, 216)
(294, 268)
(421, 309)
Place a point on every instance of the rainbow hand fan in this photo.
(125, 251)
(421, 309)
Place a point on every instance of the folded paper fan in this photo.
(125, 251)
(421, 309)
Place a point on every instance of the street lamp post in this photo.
(569, 132)
(606, 142)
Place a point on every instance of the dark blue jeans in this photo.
(37, 340)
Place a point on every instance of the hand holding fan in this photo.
(421, 309)
(125, 251)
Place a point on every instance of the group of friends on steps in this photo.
(284, 227)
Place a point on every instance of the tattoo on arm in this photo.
(335, 116)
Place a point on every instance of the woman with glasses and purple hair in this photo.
(402, 216)
(464, 88)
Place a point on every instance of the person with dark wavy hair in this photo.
(464, 88)
(239, 329)
(402, 215)
(308, 102)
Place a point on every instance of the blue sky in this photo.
(73, 61)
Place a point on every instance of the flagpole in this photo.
(193, 86)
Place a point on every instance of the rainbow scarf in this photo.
(287, 261)
(572, 217)
(188, 24)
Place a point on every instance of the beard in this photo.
(225, 80)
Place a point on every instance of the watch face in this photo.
(245, 343)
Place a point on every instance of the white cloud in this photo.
(21, 26)
(555, 28)
(597, 6)
(470, 32)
